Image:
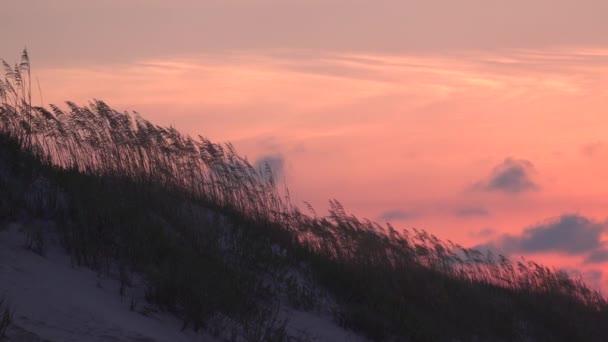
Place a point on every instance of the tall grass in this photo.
(203, 226)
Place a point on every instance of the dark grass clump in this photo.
(214, 237)
(6, 316)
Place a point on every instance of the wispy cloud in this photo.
(484, 233)
(594, 149)
(471, 212)
(396, 215)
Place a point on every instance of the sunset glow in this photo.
(474, 143)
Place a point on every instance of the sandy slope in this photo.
(56, 301)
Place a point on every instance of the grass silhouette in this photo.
(215, 238)
(6, 316)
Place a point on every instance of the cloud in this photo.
(597, 256)
(593, 149)
(396, 214)
(471, 212)
(484, 233)
(196, 26)
(512, 176)
(569, 234)
(275, 162)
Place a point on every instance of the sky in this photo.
(482, 121)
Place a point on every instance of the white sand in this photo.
(58, 302)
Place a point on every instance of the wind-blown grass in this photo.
(203, 227)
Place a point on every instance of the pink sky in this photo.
(473, 122)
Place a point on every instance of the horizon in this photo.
(486, 142)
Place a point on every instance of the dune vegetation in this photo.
(6, 315)
(220, 244)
